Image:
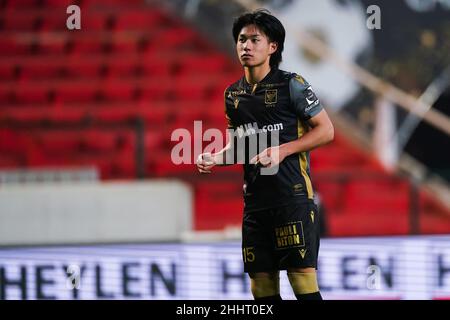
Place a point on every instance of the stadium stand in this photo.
(139, 61)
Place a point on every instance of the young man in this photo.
(280, 228)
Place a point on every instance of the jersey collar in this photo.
(244, 84)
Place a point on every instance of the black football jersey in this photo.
(280, 106)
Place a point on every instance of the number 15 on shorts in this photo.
(249, 256)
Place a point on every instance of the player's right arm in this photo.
(207, 161)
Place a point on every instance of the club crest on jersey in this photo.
(271, 97)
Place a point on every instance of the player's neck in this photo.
(254, 75)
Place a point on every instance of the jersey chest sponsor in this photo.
(249, 129)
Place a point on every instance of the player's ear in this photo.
(273, 46)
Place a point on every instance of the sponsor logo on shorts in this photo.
(290, 235)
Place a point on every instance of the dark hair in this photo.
(269, 25)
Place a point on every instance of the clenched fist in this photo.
(205, 162)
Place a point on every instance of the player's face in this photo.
(253, 47)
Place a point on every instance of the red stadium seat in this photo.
(433, 223)
(22, 3)
(203, 64)
(83, 68)
(190, 111)
(118, 90)
(126, 112)
(164, 167)
(40, 113)
(54, 21)
(6, 92)
(353, 224)
(8, 161)
(7, 70)
(52, 44)
(218, 205)
(190, 91)
(32, 92)
(119, 67)
(332, 194)
(156, 89)
(66, 115)
(19, 21)
(76, 91)
(94, 22)
(94, 4)
(154, 117)
(55, 142)
(88, 43)
(38, 69)
(174, 38)
(154, 68)
(377, 196)
(192, 88)
(13, 143)
(125, 43)
(140, 20)
(154, 140)
(59, 3)
(332, 156)
(98, 141)
(123, 166)
(14, 45)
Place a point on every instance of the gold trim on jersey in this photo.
(228, 119)
(254, 88)
(300, 79)
(236, 103)
(304, 162)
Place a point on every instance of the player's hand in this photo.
(269, 158)
(205, 162)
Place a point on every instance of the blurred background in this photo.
(93, 207)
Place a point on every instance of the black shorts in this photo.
(281, 238)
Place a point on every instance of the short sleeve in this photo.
(229, 124)
(305, 102)
(227, 117)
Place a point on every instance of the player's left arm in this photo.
(309, 110)
(321, 133)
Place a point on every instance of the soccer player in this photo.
(280, 229)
